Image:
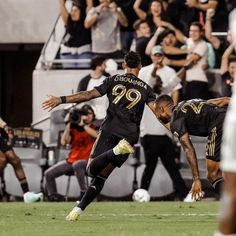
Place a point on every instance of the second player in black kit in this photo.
(200, 118)
(127, 96)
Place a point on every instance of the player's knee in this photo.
(3, 163)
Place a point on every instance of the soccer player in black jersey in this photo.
(127, 96)
(200, 118)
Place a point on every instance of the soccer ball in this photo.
(141, 195)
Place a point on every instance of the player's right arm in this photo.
(83, 96)
(189, 150)
(220, 102)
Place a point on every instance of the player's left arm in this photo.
(83, 96)
(220, 102)
(189, 150)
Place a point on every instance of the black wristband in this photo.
(63, 99)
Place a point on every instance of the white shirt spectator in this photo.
(100, 104)
(197, 72)
(106, 32)
(149, 124)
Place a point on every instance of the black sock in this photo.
(24, 185)
(217, 184)
(81, 194)
(100, 162)
(94, 189)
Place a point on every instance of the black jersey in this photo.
(127, 96)
(196, 117)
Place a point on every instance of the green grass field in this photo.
(110, 218)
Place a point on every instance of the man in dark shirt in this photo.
(200, 118)
(143, 35)
(127, 95)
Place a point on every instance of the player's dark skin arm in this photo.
(220, 102)
(192, 160)
(83, 96)
(190, 153)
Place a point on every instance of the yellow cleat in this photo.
(74, 214)
(124, 147)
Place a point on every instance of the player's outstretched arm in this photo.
(189, 150)
(220, 102)
(83, 96)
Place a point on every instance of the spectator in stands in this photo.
(105, 21)
(142, 38)
(222, 47)
(127, 33)
(220, 19)
(171, 40)
(94, 79)
(228, 77)
(77, 42)
(85, 4)
(156, 139)
(81, 134)
(197, 82)
(7, 155)
(180, 15)
(154, 17)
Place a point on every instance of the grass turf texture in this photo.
(110, 218)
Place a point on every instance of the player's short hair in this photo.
(132, 59)
(97, 61)
(164, 99)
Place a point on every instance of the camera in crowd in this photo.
(75, 114)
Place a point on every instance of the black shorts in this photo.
(106, 141)
(213, 148)
(4, 146)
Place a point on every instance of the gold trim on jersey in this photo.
(195, 107)
(211, 143)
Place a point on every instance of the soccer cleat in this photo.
(124, 147)
(30, 197)
(74, 214)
